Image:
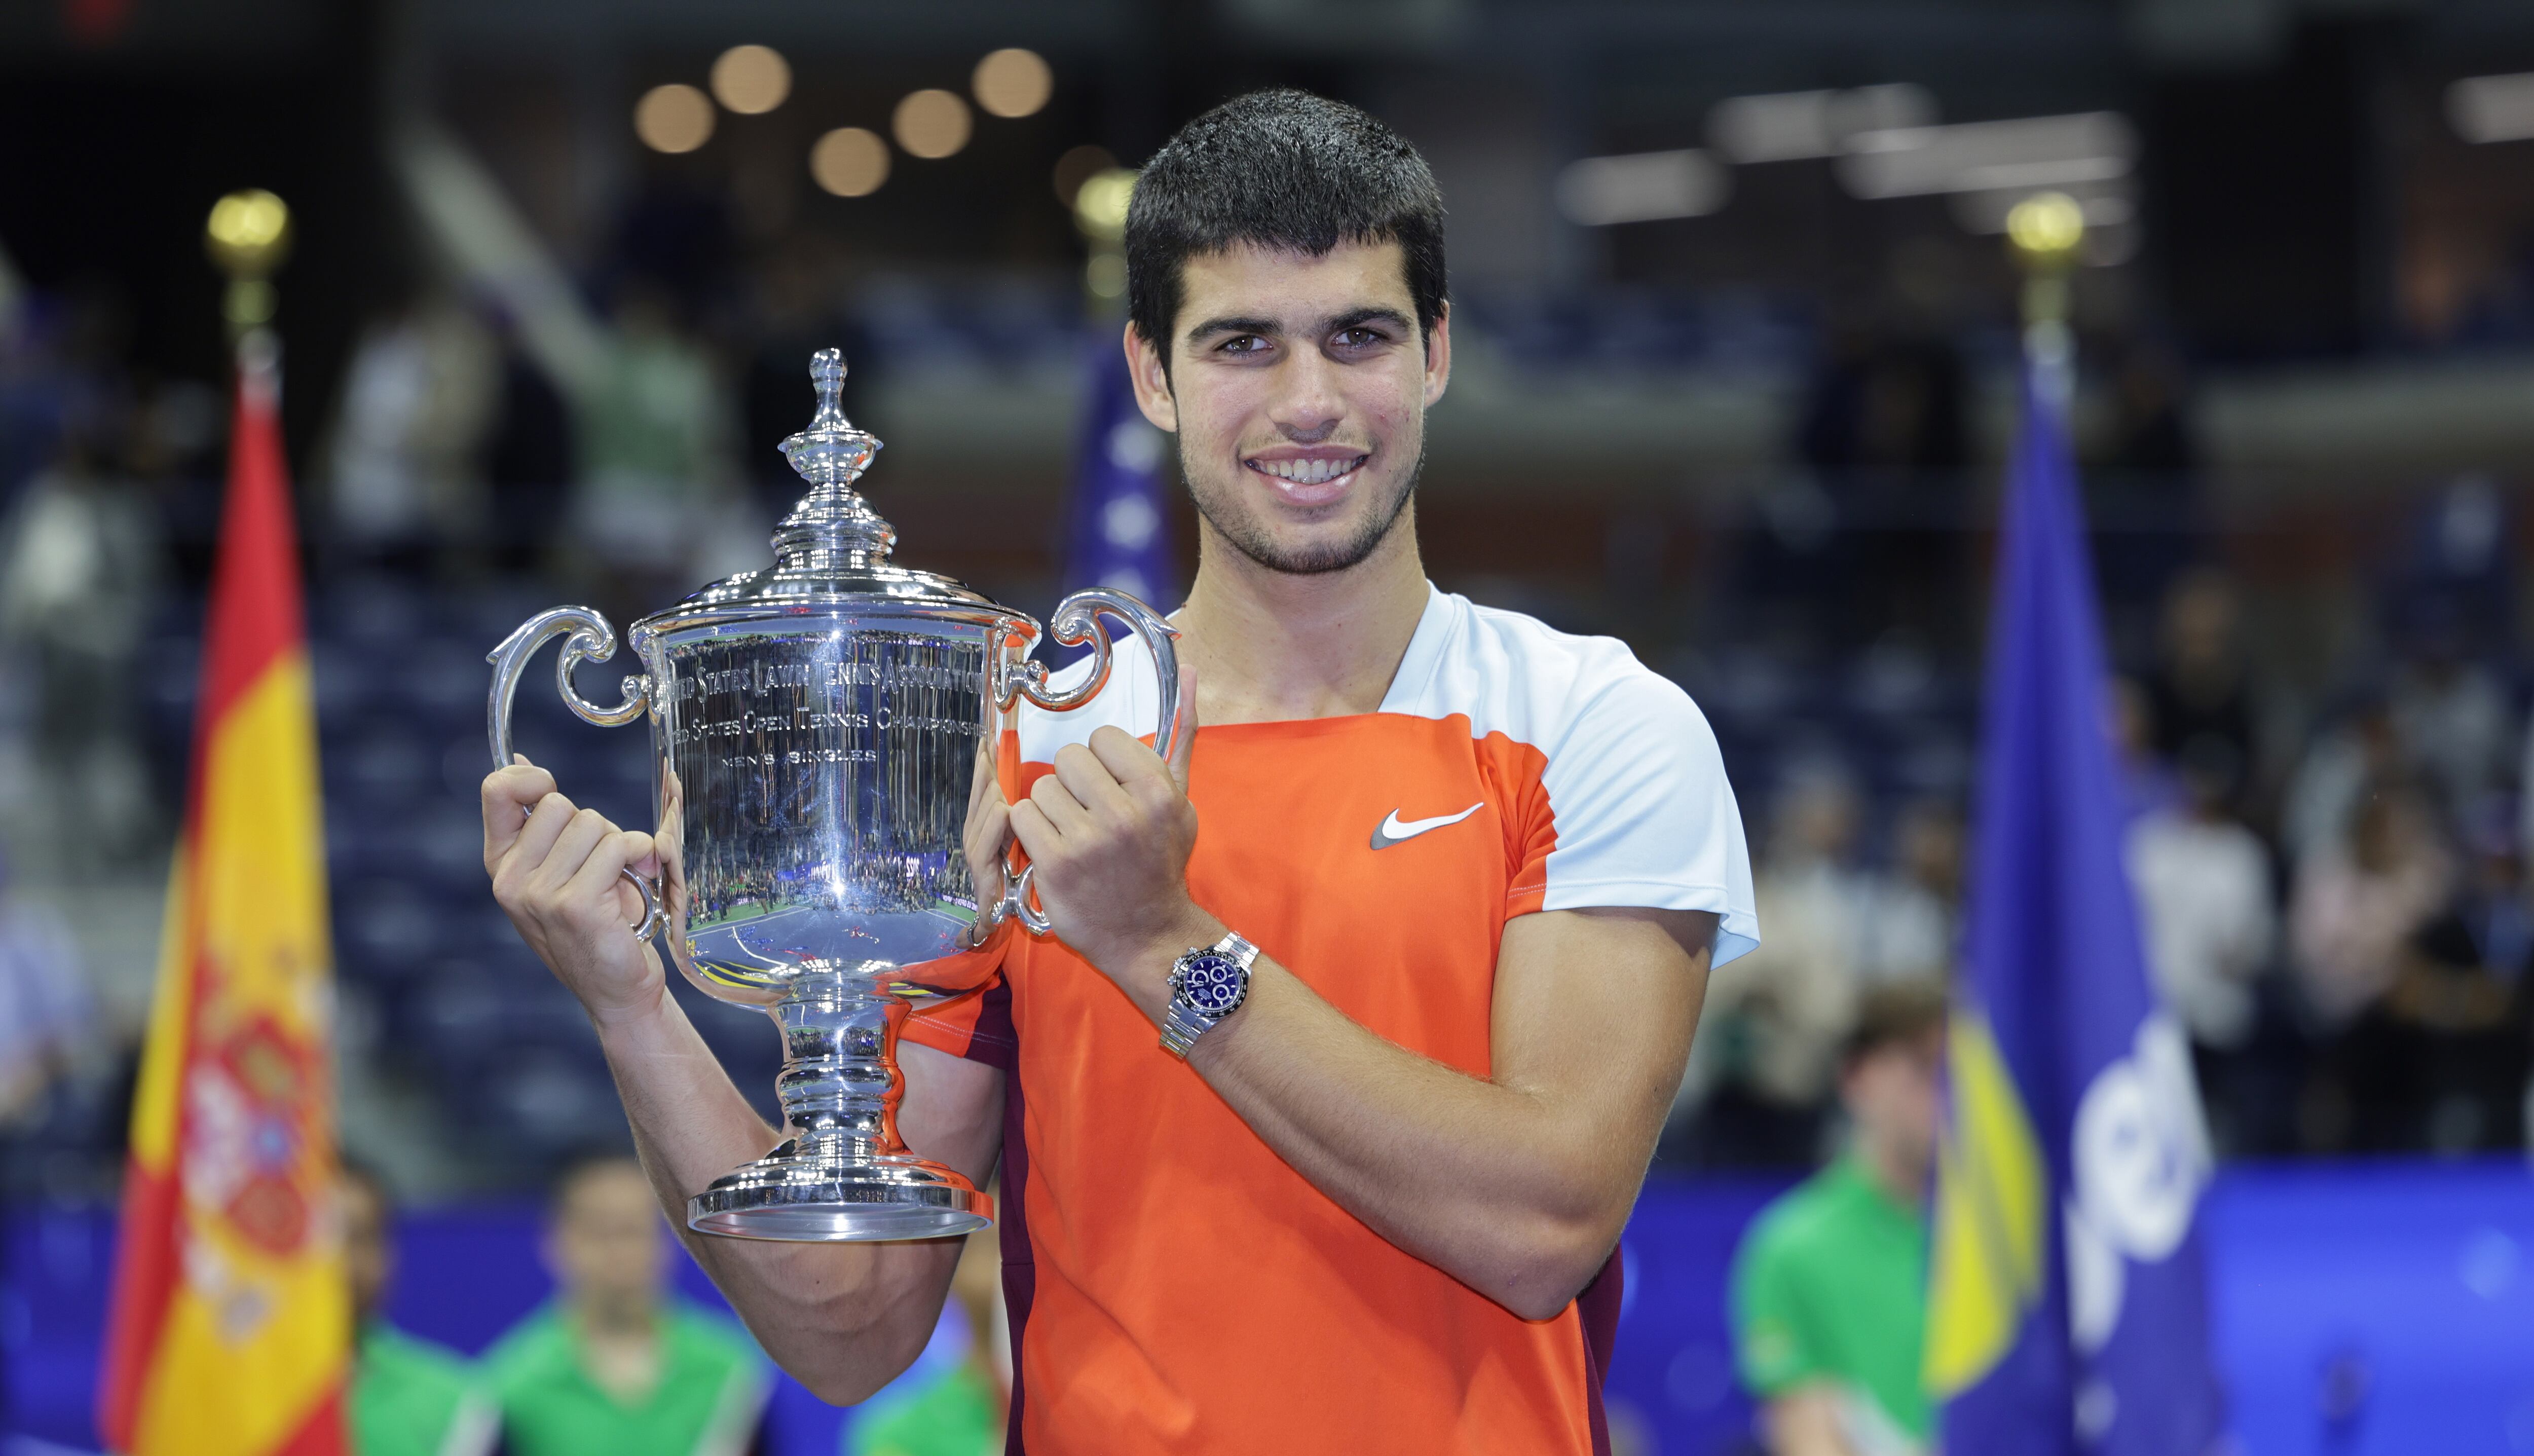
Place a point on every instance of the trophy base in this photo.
(802, 1197)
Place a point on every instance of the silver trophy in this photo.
(815, 731)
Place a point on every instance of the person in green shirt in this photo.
(409, 1397)
(1829, 1286)
(616, 1364)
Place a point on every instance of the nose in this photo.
(1308, 407)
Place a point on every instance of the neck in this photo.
(614, 1319)
(1270, 646)
(1902, 1178)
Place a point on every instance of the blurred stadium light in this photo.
(931, 123)
(751, 79)
(1646, 187)
(2492, 109)
(1012, 83)
(1792, 126)
(850, 162)
(673, 118)
(1989, 156)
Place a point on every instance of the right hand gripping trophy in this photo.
(814, 730)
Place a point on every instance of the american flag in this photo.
(1117, 533)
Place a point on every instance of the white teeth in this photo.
(1308, 472)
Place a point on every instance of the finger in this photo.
(509, 794)
(647, 854)
(984, 783)
(1184, 742)
(546, 823)
(987, 830)
(602, 871)
(1037, 837)
(1090, 776)
(1064, 812)
(572, 849)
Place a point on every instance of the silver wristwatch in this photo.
(1207, 985)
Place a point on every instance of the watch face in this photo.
(1212, 984)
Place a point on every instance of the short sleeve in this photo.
(1642, 813)
(978, 1026)
(1770, 1343)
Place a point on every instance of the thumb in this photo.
(1183, 737)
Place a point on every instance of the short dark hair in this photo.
(1279, 169)
(578, 1167)
(1891, 1014)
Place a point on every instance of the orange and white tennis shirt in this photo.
(1173, 1284)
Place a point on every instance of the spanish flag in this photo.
(231, 1324)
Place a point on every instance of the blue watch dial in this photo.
(1212, 984)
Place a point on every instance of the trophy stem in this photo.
(840, 1085)
(843, 1173)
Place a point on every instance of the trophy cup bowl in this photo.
(816, 728)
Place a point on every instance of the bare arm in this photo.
(844, 1319)
(1517, 1183)
(1804, 1422)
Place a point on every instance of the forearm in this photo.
(843, 1319)
(1508, 1191)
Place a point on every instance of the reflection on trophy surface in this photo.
(815, 729)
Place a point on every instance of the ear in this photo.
(1438, 356)
(1152, 381)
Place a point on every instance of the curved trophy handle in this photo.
(1076, 622)
(592, 640)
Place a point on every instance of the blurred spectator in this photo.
(409, 1396)
(47, 1015)
(962, 1411)
(79, 569)
(1770, 1033)
(2452, 717)
(2206, 903)
(653, 450)
(528, 466)
(2358, 906)
(2201, 686)
(1830, 1284)
(1885, 430)
(401, 465)
(2454, 1054)
(1911, 937)
(616, 1366)
(2142, 489)
(2359, 902)
(2358, 752)
(2147, 783)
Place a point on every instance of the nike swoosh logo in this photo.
(1394, 829)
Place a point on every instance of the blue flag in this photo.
(1117, 534)
(2067, 1310)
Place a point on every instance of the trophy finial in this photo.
(831, 452)
(832, 523)
(827, 377)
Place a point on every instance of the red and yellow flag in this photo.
(231, 1327)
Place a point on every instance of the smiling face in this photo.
(1297, 387)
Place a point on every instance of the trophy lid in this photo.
(832, 549)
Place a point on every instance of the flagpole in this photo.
(2044, 231)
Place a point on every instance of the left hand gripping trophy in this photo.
(814, 730)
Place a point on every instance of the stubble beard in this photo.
(1252, 538)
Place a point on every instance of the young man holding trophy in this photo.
(1321, 1123)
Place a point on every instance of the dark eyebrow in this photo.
(1212, 326)
(1356, 318)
